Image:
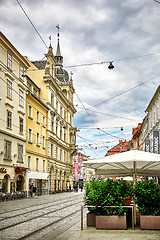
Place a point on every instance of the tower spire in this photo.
(58, 56)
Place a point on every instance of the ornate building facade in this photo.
(151, 125)
(57, 93)
(12, 117)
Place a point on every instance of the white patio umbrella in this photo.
(131, 163)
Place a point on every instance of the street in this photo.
(42, 217)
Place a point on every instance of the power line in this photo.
(89, 115)
(32, 23)
(110, 115)
(107, 62)
(23, 129)
(157, 1)
(88, 144)
(118, 95)
(105, 127)
(111, 134)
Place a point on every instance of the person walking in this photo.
(70, 188)
(31, 189)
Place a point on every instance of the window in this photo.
(44, 165)
(7, 150)
(56, 128)
(9, 61)
(29, 86)
(9, 89)
(60, 154)
(52, 99)
(57, 105)
(20, 153)
(57, 152)
(38, 116)
(44, 121)
(43, 141)
(52, 124)
(65, 115)
(61, 132)
(61, 110)
(30, 135)
(20, 97)
(21, 72)
(35, 92)
(30, 111)
(51, 149)
(21, 125)
(29, 162)
(9, 119)
(65, 156)
(65, 135)
(38, 143)
(37, 163)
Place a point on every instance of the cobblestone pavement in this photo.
(57, 217)
(34, 218)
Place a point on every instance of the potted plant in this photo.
(101, 193)
(147, 198)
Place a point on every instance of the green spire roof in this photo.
(58, 53)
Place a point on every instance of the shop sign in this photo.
(3, 170)
(147, 146)
(18, 170)
(156, 141)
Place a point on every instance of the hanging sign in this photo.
(147, 146)
(156, 142)
(18, 170)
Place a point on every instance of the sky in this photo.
(109, 103)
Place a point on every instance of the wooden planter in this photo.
(149, 222)
(91, 219)
(111, 222)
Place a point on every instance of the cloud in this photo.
(94, 32)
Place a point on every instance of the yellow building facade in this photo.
(36, 136)
(12, 117)
(57, 92)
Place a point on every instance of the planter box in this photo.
(91, 219)
(149, 222)
(111, 222)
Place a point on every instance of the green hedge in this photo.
(101, 192)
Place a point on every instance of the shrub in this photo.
(101, 192)
(147, 197)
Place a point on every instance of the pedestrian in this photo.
(31, 189)
(77, 188)
(70, 188)
(81, 187)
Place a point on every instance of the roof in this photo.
(40, 64)
(122, 146)
(152, 100)
(19, 55)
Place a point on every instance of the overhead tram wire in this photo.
(88, 144)
(118, 95)
(107, 62)
(31, 23)
(111, 134)
(111, 115)
(89, 116)
(27, 101)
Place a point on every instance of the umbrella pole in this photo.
(134, 204)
